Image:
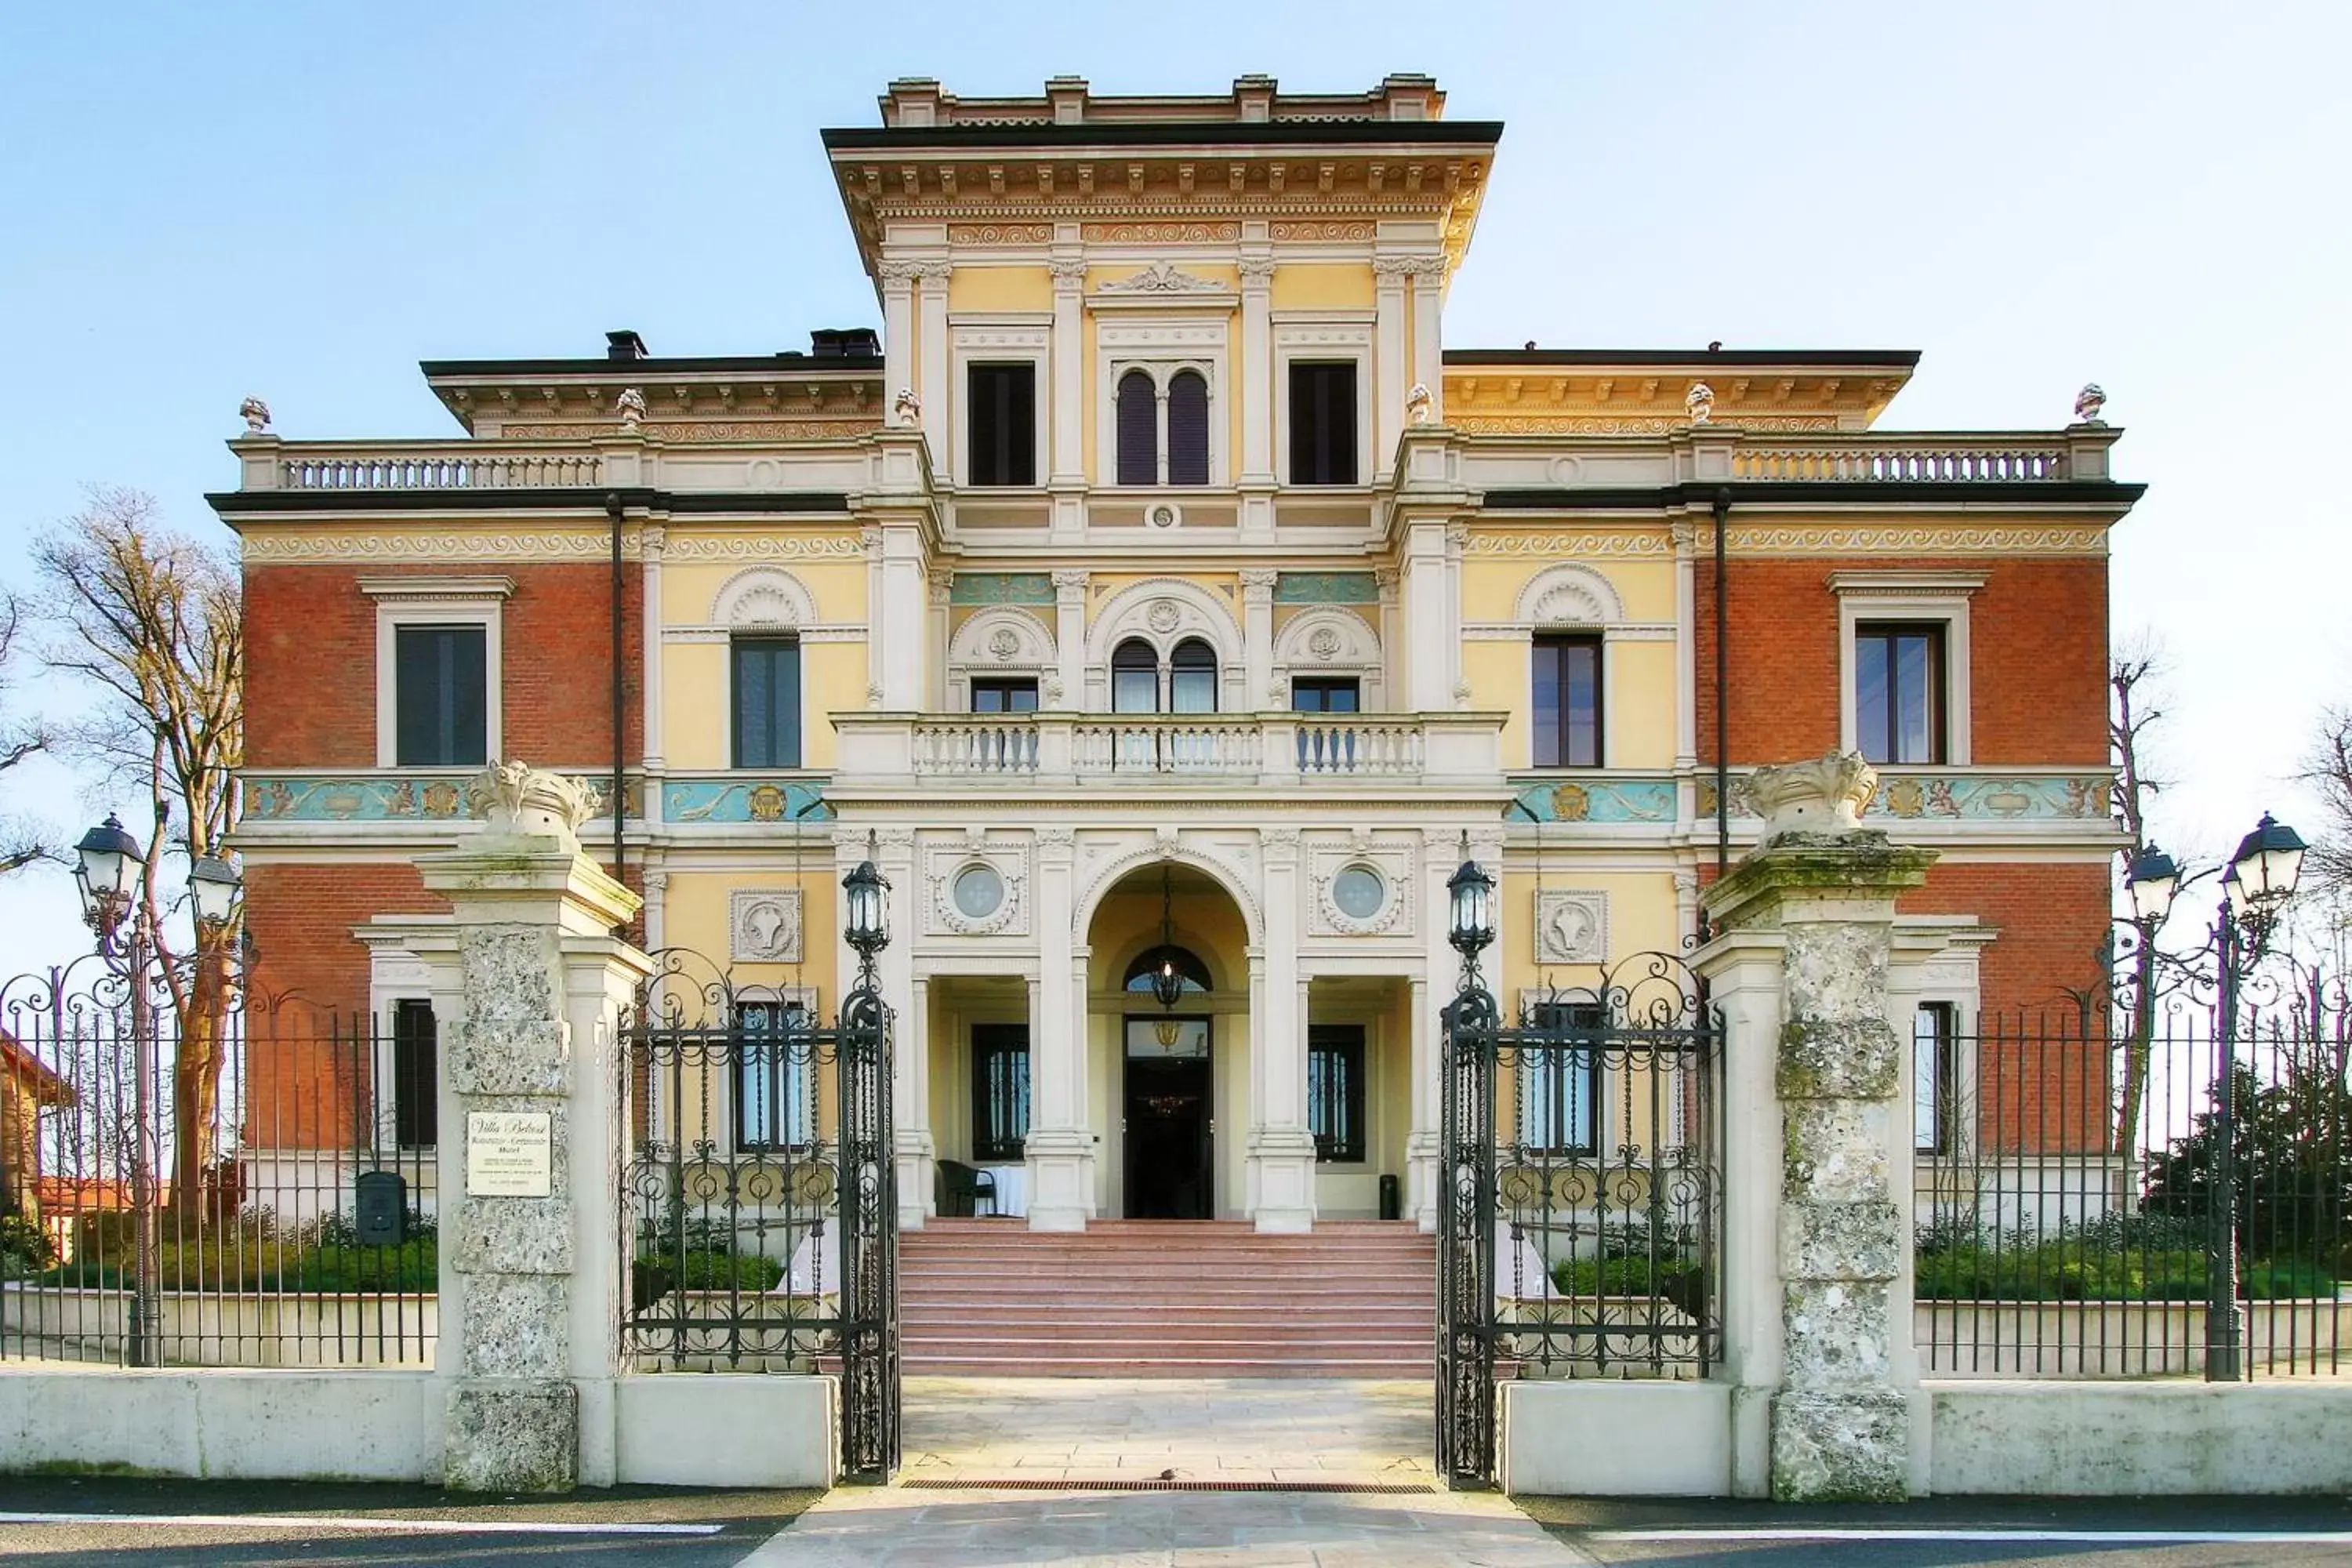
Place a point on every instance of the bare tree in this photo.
(155, 621)
(2328, 770)
(2133, 714)
(21, 740)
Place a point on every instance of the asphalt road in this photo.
(284, 1524)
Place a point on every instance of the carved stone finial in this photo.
(1825, 795)
(1700, 401)
(2089, 402)
(256, 414)
(631, 407)
(906, 409)
(523, 802)
(1420, 407)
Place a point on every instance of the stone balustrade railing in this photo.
(433, 466)
(1050, 747)
(1986, 459)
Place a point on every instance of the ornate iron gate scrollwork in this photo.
(1601, 1182)
(758, 1200)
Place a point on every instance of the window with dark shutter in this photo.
(1004, 424)
(1139, 429)
(1188, 428)
(1323, 422)
(767, 680)
(415, 1075)
(1567, 702)
(440, 697)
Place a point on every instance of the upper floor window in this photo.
(1001, 695)
(1567, 706)
(1192, 677)
(1188, 428)
(1323, 422)
(441, 697)
(1325, 694)
(1139, 429)
(1004, 424)
(1134, 678)
(767, 689)
(1898, 700)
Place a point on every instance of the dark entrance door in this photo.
(1169, 1119)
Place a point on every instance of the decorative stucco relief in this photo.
(763, 925)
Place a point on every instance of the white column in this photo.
(935, 642)
(1428, 311)
(1070, 639)
(1391, 371)
(934, 389)
(1066, 468)
(911, 1097)
(898, 331)
(1281, 1151)
(1255, 372)
(1393, 682)
(1427, 614)
(1061, 1151)
(1686, 647)
(1258, 639)
(901, 630)
(649, 622)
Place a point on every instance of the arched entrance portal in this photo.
(1167, 1042)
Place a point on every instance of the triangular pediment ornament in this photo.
(1162, 277)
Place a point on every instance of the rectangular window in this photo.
(1334, 1092)
(1325, 694)
(1567, 718)
(1934, 1076)
(441, 697)
(1003, 425)
(415, 1075)
(1004, 697)
(1559, 1080)
(766, 702)
(775, 1078)
(1323, 422)
(1898, 699)
(1000, 1092)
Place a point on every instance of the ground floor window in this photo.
(1559, 1080)
(1334, 1092)
(1000, 1092)
(776, 1079)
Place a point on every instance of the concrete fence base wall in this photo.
(2132, 1439)
(677, 1430)
(1607, 1437)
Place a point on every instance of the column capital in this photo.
(1258, 271)
(1259, 581)
(1069, 274)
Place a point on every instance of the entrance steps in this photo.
(988, 1298)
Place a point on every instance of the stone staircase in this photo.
(1167, 1299)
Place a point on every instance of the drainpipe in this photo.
(1722, 690)
(612, 511)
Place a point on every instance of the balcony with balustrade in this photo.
(1060, 753)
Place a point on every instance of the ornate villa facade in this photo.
(1169, 602)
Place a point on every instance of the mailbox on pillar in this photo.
(380, 1198)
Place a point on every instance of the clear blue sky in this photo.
(303, 200)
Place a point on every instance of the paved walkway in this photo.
(1218, 1432)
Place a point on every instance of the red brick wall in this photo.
(2038, 657)
(2050, 920)
(310, 664)
(301, 918)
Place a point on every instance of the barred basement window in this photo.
(1334, 1092)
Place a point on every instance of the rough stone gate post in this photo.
(1817, 1164)
(530, 985)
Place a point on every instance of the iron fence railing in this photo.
(2078, 1210)
(234, 1185)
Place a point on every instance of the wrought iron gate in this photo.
(1578, 1182)
(759, 1201)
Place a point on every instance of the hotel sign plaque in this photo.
(510, 1154)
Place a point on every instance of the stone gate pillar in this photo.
(528, 983)
(1817, 1201)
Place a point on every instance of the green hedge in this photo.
(268, 1265)
(748, 1272)
(2065, 1270)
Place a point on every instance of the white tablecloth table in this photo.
(1012, 1188)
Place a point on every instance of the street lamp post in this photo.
(2259, 878)
(107, 869)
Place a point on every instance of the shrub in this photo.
(25, 1248)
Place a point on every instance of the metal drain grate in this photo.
(1037, 1484)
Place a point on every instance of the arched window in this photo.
(1139, 429)
(1193, 973)
(1188, 429)
(1192, 677)
(1134, 678)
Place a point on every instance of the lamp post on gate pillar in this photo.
(1464, 1195)
(2261, 878)
(109, 863)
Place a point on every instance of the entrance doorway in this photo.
(1171, 1123)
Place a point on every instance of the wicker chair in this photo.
(962, 1187)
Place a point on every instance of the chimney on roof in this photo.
(624, 345)
(846, 342)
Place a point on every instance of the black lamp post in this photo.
(869, 907)
(2259, 880)
(1471, 926)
